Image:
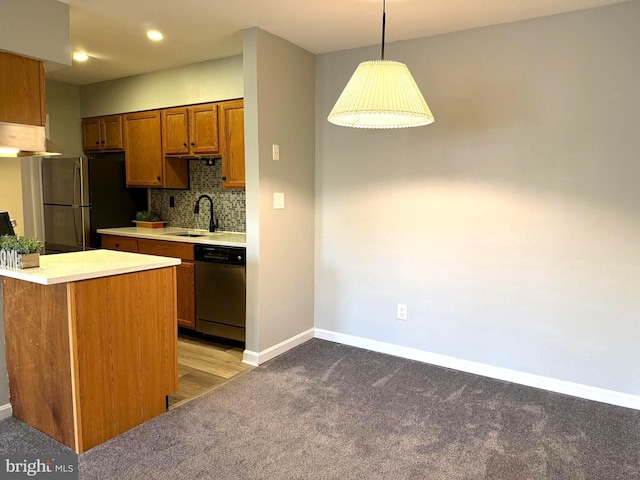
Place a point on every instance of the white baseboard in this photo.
(256, 358)
(531, 380)
(5, 411)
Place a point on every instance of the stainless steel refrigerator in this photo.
(81, 195)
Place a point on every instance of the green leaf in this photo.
(20, 244)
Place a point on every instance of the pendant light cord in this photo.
(384, 18)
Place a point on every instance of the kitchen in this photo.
(210, 81)
(534, 116)
(100, 180)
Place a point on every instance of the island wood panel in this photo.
(126, 351)
(38, 360)
(91, 359)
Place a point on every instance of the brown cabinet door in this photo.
(185, 274)
(143, 149)
(175, 131)
(124, 244)
(102, 133)
(166, 248)
(21, 90)
(111, 133)
(203, 129)
(91, 134)
(233, 170)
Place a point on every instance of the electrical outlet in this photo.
(402, 311)
(276, 152)
(278, 201)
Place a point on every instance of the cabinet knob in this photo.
(117, 245)
(224, 178)
(193, 144)
(97, 143)
(158, 178)
(102, 141)
(184, 144)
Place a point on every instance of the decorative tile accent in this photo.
(229, 205)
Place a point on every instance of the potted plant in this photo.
(149, 219)
(19, 252)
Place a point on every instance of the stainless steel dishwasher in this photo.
(220, 291)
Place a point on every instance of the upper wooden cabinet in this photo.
(102, 134)
(21, 90)
(232, 133)
(145, 164)
(158, 143)
(143, 149)
(190, 131)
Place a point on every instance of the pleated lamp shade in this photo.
(381, 94)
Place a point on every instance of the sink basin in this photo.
(187, 234)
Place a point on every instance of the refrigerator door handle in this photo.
(76, 182)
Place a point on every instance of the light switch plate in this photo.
(278, 201)
(276, 152)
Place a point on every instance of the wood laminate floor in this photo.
(202, 366)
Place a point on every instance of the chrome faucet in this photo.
(212, 224)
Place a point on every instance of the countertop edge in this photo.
(46, 274)
(162, 234)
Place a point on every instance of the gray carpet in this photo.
(328, 411)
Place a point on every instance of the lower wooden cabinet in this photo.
(185, 272)
(124, 244)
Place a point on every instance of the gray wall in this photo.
(209, 81)
(36, 28)
(510, 226)
(65, 120)
(279, 109)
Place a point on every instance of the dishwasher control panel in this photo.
(219, 254)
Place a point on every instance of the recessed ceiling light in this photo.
(80, 57)
(154, 35)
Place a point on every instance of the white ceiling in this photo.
(112, 32)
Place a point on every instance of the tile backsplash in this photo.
(229, 205)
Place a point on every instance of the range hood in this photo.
(19, 140)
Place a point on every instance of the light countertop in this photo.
(74, 266)
(177, 234)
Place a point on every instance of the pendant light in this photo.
(381, 94)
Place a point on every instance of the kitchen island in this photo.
(90, 343)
